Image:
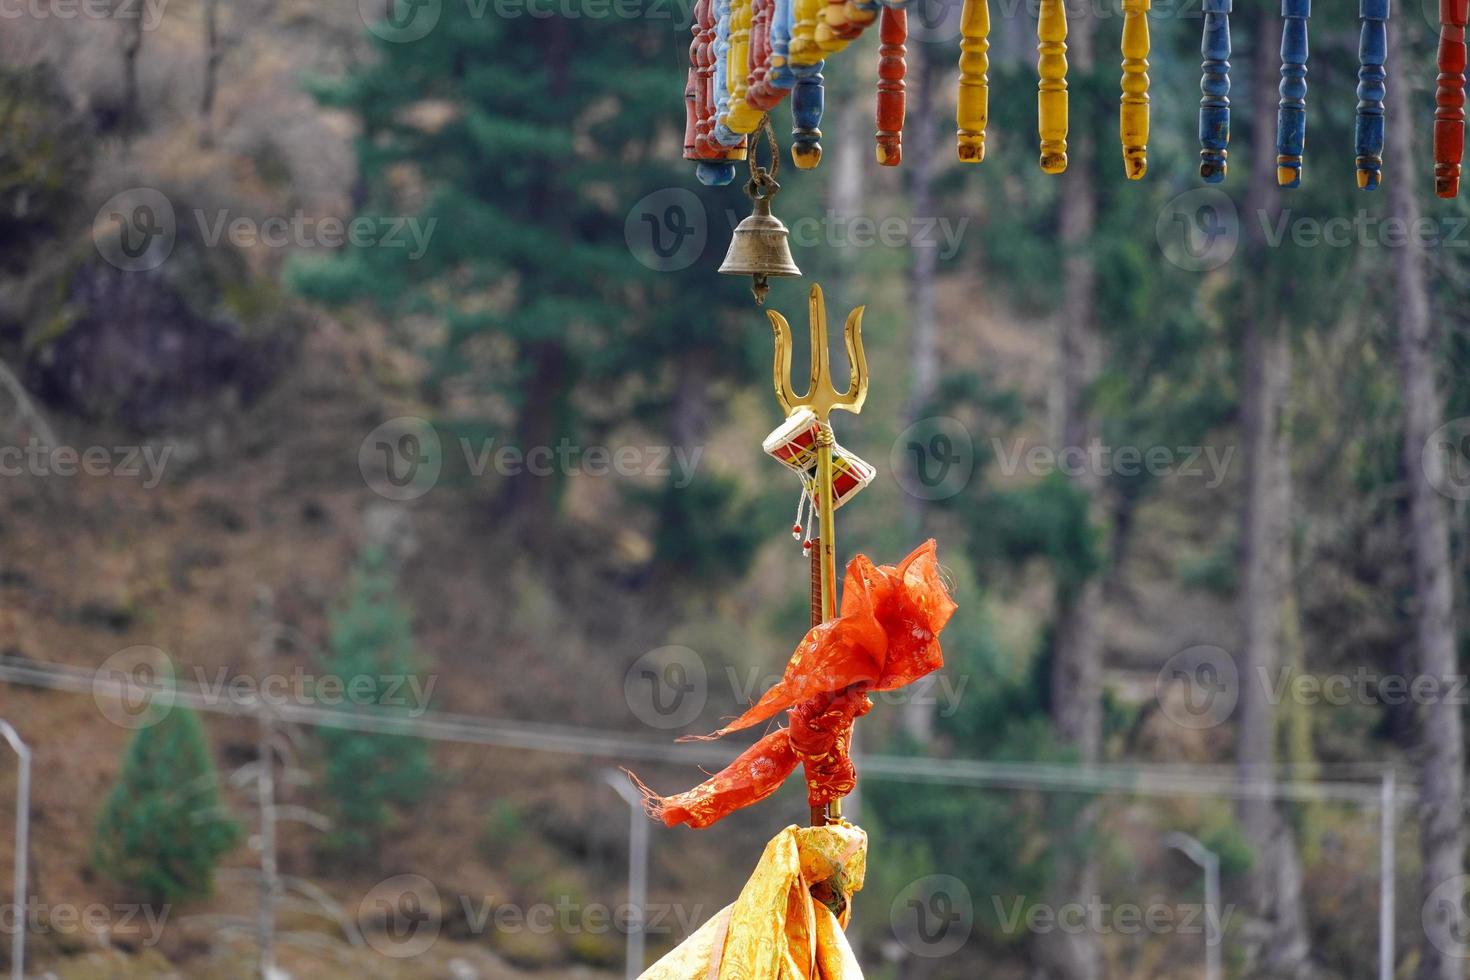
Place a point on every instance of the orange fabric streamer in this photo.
(886, 636)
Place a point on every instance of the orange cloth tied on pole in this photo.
(886, 636)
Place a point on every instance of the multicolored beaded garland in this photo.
(747, 56)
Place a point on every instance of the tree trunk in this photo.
(530, 499)
(1076, 679)
(689, 407)
(212, 56)
(1441, 775)
(132, 46)
(1077, 671)
(920, 159)
(1265, 549)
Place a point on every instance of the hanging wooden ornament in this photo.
(1449, 116)
(972, 102)
(862, 13)
(1133, 107)
(892, 68)
(807, 96)
(1368, 127)
(835, 30)
(770, 78)
(744, 115)
(1291, 117)
(1214, 107)
(737, 59)
(780, 75)
(715, 162)
(1051, 98)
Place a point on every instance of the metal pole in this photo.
(265, 786)
(1210, 862)
(637, 870)
(1387, 822)
(1213, 938)
(22, 848)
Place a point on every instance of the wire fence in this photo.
(1371, 788)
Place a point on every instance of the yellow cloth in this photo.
(776, 930)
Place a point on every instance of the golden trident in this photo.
(821, 398)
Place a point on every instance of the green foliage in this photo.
(543, 169)
(1047, 520)
(504, 832)
(46, 151)
(367, 774)
(162, 829)
(707, 529)
(998, 842)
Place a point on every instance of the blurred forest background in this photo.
(1286, 385)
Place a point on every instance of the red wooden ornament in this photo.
(1449, 117)
(893, 34)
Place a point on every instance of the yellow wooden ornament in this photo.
(804, 49)
(737, 66)
(1133, 109)
(1051, 100)
(972, 106)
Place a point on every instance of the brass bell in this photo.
(760, 247)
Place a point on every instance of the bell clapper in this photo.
(760, 246)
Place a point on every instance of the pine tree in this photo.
(162, 828)
(530, 142)
(367, 774)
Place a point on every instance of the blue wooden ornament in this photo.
(808, 100)
(1291, 116)
(781, 75)
(1214, 107)
(714, 173)
(1372, 55)
(723, 134)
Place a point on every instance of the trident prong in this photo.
(821, 397)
